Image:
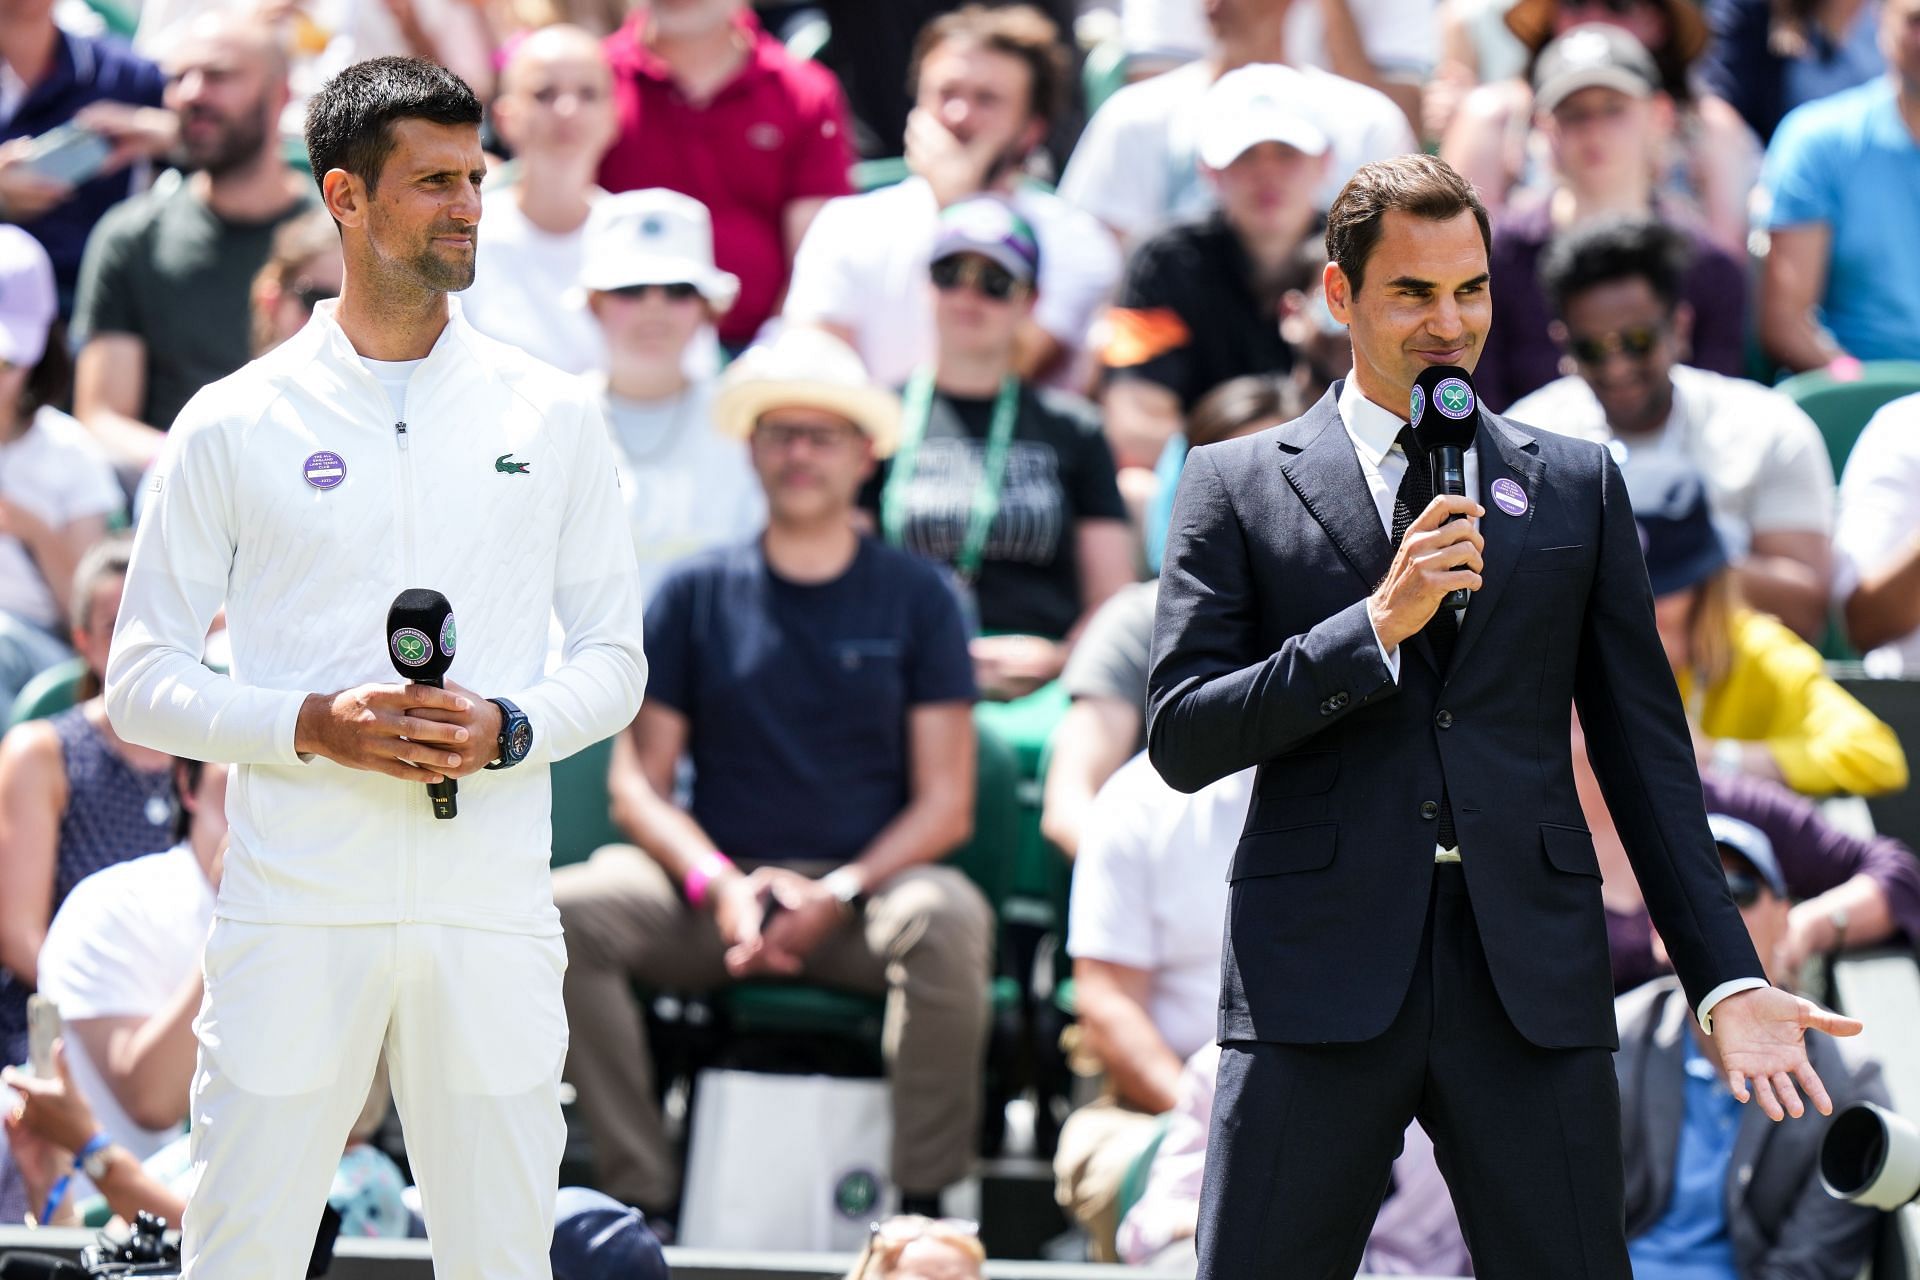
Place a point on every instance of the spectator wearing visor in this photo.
(1201, 301)
(1008, 486)
(654, 292)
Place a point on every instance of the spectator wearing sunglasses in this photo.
(1714, 1191)
(653, 290)
(555, 113)
(163, 302)
(303, 269)
(1201, 301)
(1607, 130)
(1617, 288)
(909, 1246)
(1010, 487)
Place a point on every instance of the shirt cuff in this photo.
(1389, 656)
(1721, 992)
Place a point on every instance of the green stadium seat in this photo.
(50, 692)
(120, 19)
(871, 175)
(582, 811)
(1103, 73)
(1841, 408)
(1896, 701)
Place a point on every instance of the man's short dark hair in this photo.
(1620, 248)
(350, 121)
(1422, 185)
(1018, 31)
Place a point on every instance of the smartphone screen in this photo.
(43, 1028)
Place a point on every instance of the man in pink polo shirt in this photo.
(712, 106)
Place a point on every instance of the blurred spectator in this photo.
(1856, 891)
(912, 1246)
(1841, 181)
(1415, 1232)
(713, 107)
(1715, 1189)
(595, 1237)
(1010, 487)
(1616, 290)
(1135, 167)
(1201, 302)
(652, 287)
(1758, 696)
(1769, 56)
(1878, 540)
(555, 113)
(122, 962)
(1149, 893)
(1711, 163)
(189, 247)
(73, 798)
(1475, 47)
(304, 267)
(818, 682)
(53, 78)
(56, 491)
(987, 86)
(1606, 128)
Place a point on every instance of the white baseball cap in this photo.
(28, 302)
(1264, 102)
(654, 237)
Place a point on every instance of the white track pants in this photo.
(293, 1022)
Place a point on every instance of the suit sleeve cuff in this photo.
(1389, 656)
(1721, 992)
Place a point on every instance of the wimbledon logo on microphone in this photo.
(1418, 409)
(447, 636)
(412, 647)
(1454, 398)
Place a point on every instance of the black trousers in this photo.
(1303, 1136)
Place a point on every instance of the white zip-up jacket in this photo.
(496, 488)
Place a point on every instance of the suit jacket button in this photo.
(1340, 699)
(1429, 809)
(1326, 708)
(1444, 719)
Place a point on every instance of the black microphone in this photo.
(19, 1265)
(1444, 413)
(420, 641)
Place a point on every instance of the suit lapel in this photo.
(1507, 454)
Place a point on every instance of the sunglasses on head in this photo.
(990, 279)
(678, 291)
(310, 295)
(898, 1232)
(1636, 342)
(1619, 8)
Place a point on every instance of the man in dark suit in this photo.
(1414, 924)
(1713, 1191)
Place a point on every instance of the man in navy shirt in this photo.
(48, 77)
(819, 684)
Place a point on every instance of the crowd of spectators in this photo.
(898, 422)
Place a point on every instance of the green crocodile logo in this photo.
(505, 465)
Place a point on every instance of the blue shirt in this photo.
(1849, 162)
(1690, 1241)
(86, 70)
(797, 695)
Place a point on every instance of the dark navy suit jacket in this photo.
(1263, 655)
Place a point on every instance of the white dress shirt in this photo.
(1374, 432)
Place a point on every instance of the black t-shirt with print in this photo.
(1059, 471)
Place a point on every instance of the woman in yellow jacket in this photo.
(1758, 697)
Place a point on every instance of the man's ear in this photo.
(1339, 293)
(345, 197)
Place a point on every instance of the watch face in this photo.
(520, 741)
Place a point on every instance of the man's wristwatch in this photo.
(847, 889)
(96, 1158)
(1838, 918)
(516, 735)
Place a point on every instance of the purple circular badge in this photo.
(1509, 497)
(325, 469)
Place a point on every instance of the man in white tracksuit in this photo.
(386, 446)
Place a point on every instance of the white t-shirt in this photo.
(393, 377)
(863, 265)
(1135, 167)
(1150, 891)
(1398, 35)
(55, 471)
(121, 946)
(686, 487)
(525, 288)
(1763, 460)
(1880, 516)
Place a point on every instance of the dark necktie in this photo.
(1413, 497)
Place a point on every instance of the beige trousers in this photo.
(925, 943)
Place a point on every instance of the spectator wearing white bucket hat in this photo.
(653, 291)
(819, 682)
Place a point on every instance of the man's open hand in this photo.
(1761, 1037)
(1438, 555)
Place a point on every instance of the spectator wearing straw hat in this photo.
(819, 683)
(653, 292)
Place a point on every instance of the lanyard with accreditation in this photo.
(916, 412)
